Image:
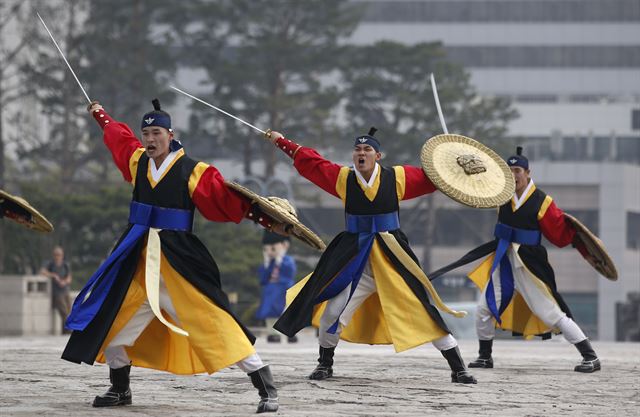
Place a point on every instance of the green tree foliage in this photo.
(271, 63)
(13, 15)
(65, 148)
(87, 224)
(128, 59)
(387, 86)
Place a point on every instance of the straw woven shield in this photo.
(281, 211)
(20, 211)
(467, 171)
(598, 257)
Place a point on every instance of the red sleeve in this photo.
(219, 203)
(416, 182)
(311, 165)
(119, 139)
(555, 228)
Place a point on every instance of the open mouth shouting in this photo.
(151, 148)
(361, 162)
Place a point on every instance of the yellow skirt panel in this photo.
(392, 315)
(215, 339)
(517, 317)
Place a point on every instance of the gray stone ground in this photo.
(530, 379)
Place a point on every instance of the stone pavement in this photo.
(530, 379)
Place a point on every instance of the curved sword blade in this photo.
(218, 109)
(63, 57)
(435, 96)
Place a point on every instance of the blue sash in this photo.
(506, 235)
(142, 217)
(366, 226)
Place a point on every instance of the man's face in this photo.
(58, 255)
(521, 176)
(156, 141)
(269, 250)
(365, 157)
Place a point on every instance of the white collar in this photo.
(156, 173)
(520, 201)
(367, 184)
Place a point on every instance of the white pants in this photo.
(535, 294)
(366, 287)
(269, 322)
(117, 355)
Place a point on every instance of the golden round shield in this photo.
(467, 171)
(597, 256)
(20, 211)
(283, 212)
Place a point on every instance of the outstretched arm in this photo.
(219, 203)
(125, 148)
(309, 163)
(416, 183)
(554, 225)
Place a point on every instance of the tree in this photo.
(270, 63)
(14, 37)
(387, 85)
(63, 149)
(87, 223)
(128, 55)
(120, 58)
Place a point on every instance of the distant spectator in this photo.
(60, 273)
(277, 275)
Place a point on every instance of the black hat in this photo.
(269, 238)
(518, 160)
(368, 139)
(156, 117)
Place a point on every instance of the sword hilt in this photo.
(91, 104)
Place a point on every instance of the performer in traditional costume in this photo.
(518, 284)
(157, 302)
(276, 275)
(368, 286)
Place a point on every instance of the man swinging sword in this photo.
(518, 284)
(158, 264)
(368, 286)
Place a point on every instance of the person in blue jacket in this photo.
(277, 275)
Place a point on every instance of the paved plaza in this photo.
(530, 379)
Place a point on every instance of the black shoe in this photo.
(590, 362)
(112, 399)
(463, 377)
(263, 381)
(321, 372)
(293, 339)
(459, 373)
(273, 338)
(324, 369)
(267, 405)
(481, 363)
(588, 367)
(119, 393)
